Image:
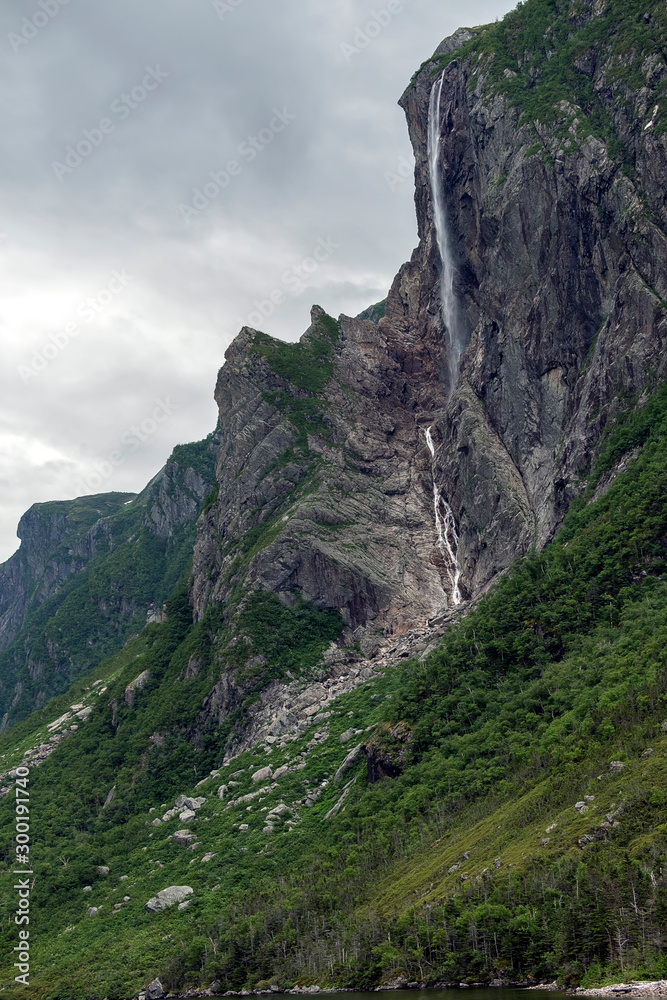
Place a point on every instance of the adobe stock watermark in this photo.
(122, 108)
(248, 150)
(130, 440)
(404, 171)
(295, 279)
(23, 868)
(31, 26)
(86, 311)
(377, 22)
(224, 7)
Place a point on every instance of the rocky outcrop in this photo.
(387, 751)
(558, 253)
(176, 495)
(138, 684)
(345, 511)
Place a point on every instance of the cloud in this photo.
(323, 177)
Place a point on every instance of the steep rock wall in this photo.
(341, 512)
(557, 235)
(561, 273)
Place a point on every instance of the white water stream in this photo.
(448, 539)
(448, 305)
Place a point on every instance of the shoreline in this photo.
(656, 988)
(637, 988)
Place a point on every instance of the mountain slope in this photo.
(89, 572)
(530, 739)
(403, 718)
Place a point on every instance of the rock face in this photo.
(559, 254)
(559, 260)
(345, 509)
(138, 684)
(154, 990)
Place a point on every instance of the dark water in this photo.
(473, 993)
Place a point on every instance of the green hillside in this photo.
(133, 569)
(471, 863)
(493, 808)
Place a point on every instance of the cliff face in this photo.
(555, 222)
(559, 252)
(57, 541)
(325, 492)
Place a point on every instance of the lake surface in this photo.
(472, 993)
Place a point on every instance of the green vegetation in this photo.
(472, 863)
(308, 364)
(290, 640)
(198, 456)
(147, 749)
(307, 416)
(634, 426)
(104, 600)
(375, 312)
(545, 52)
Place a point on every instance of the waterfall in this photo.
(448, 305)
(448, 539)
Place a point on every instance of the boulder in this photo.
(277, 811)
(92, 910)
(102, 870)
(262, 774)
(183, 838)
(154, 990)
(168, 897)
(187, 815)
(184, 802)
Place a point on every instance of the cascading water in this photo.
(448, 539)
(448, 305)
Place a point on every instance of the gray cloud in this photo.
(322, 177)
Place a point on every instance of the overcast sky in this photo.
(121, 286)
